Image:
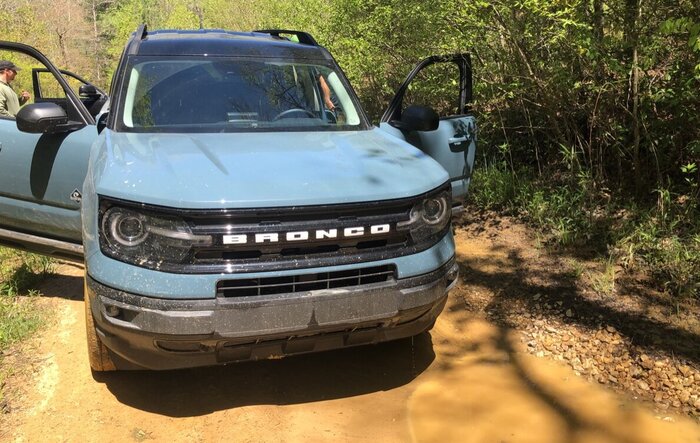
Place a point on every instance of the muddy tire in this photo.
(100, 361)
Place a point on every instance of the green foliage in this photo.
(664, 238)
(681, 26)
(496, 187)
(19, 271)
(562, 208)
(19, 317)
(673, 258)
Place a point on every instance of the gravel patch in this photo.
(624, 335)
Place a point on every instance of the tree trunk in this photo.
(598, 31)
(632, 21)
(96, 42)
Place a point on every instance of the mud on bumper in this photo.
(148, 333)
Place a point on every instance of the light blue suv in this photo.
(231, 201)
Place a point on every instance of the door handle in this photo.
(459, 143)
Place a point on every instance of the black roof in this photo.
(218, 42)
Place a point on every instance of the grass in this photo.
(603, 281)
(19, 272)
(575, 268)
(20, 315)
(662, 239)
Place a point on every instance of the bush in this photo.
(662, 238)
(559, 208)
(671, 253)
(495, 187)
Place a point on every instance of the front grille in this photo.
(288, 238)
(316, 224)
(312, 252)
(305, 282)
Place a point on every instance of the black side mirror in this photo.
(418, 118)
(88, 91)
(46, 118)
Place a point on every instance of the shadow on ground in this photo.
(492, 392)
(66, 283)
(486, 387)
(293, 380)
(514, 284)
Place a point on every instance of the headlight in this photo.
(146, 239)
(436, 210)
(429, 217)
(126, 228)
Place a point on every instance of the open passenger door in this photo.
(44, 85)
(444, 84)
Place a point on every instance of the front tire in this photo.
(98, 355)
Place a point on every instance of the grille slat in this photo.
(304, 282)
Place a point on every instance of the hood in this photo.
(248, 170)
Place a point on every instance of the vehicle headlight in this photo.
(429, 217)
(146, 239)
(126, 228)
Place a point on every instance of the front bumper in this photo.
(150, 333)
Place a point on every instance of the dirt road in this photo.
(468, 380)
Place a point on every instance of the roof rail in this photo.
(141, 31)
(304, 37)
(136, 38)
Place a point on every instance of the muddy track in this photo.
(472, 378)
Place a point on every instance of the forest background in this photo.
(589, 111)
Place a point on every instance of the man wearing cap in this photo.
(9, 101)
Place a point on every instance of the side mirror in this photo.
(46, 118)
(418, 118)
(88, 91)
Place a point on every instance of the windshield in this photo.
(208, 94)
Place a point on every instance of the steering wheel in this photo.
(288, 113)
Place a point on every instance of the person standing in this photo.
(9, 100)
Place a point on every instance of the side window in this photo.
(50, 89)
(436, 86)
(73, 82)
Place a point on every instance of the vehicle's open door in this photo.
(43, 82)
(42, 170)
(444, 83)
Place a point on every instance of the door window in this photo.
(50, 89)
(440, 82)
(436, 86)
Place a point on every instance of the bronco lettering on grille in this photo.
(294, 236)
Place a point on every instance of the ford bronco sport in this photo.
(223, 210)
